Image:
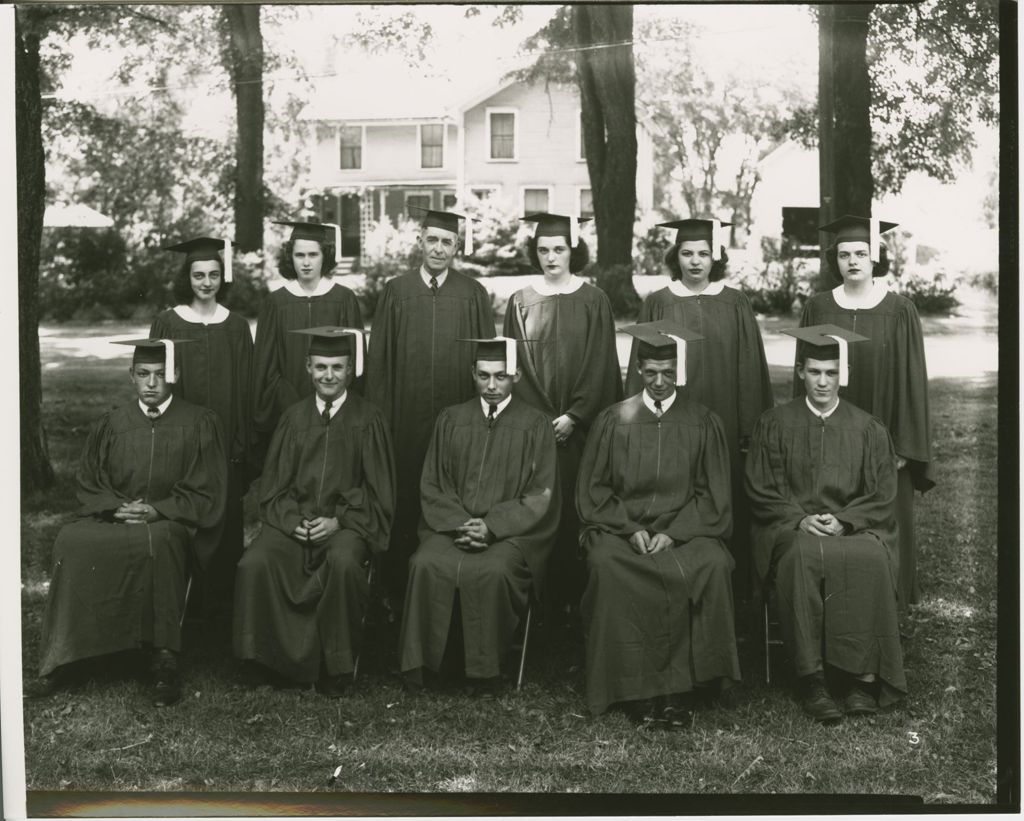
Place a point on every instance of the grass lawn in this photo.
(938, 744)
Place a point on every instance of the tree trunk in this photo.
(245, 50)
(36, 470)
(846, 134)
(607, 90)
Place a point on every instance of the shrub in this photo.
(933, 294)
(651, 245)
(84, 271)
(778, 283)
(387, 251)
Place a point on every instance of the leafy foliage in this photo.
(710, 129)
(779, 283)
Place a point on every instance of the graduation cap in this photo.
(447, 221)
(695, 230)
(556, 225)
(826, 342)
(201, 249)
(663, 339)
(497, 349)
(860, 229)
(154, 352)
(333, 340)
(316, 231)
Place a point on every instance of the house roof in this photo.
(63, 215)
(386, 91)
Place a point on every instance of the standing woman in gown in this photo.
(888, 375)
(726, 370)
(309, 298)
(570, 370)
(215, 374)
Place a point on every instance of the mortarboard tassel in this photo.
(227, 260)
(469, 236)
(574, 232)
(716, 240)
(680, 358)
(358, 333)
(511, 364)
(168, 361)
(844, 359)
(337, 238)
(874, 239)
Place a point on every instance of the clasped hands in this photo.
(317, 530)
(474, 535)
(822, 524)
(644, 542)
(564, 425)
(136, 512)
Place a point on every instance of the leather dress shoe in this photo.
(859, 701)
(817, 702)
(333, 686)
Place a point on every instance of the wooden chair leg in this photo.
(522, 652)
(362, 623)
(767, 646)
(184, 607)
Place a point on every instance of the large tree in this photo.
(603, 37)
(30, 24)
(245, 64)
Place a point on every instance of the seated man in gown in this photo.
(152, 485)
(490, 505)
(326, 500)
(655, 504)
(821, 477)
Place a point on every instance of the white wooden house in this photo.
(380, 148)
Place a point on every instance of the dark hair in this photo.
(578, 256)
(182, 289)
(880, 268)
(286, 268)
(717, 267)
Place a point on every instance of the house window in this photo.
(417, 201)
(535, 200)
(447, 201)
(431, 146)
(586, 203)
(350, 140)
(501, 134)
(800, 232)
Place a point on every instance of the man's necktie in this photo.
(153, 413)
(657, 408)
(491, 415)
(326, 415)
(433, 285)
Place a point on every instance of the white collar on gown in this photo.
(713, 289)
(541, 286)
(293, 287)
(187, 313)
(872, 298)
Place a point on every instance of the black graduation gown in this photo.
(570, 366)
(889, 380)
(656, 624)
(415, 368)
(800, 464)
(115, 586)
(294, 601)
(505, 474)
(279, 378)
(216, 369)
(727, 372)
